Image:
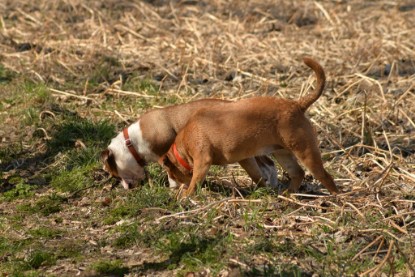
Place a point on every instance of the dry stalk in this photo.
(367, 247)
(375, 270)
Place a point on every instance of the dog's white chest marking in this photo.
(143, 146)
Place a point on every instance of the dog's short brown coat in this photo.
(251, 127)
(155, 131)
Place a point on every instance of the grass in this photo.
(72, 179)
(38, 258)
(45, 232)
(69, 82)
(27, 256)
(5, 75)
(20, 190)
(182, 246)
(45, 205)
(112, 268)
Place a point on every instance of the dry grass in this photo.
(86, 51)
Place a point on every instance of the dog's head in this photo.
(176, 173)
(119, 162)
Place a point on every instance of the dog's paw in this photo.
(182, 192)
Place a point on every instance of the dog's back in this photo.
(258, 122)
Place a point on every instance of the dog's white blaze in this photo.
(172, 183)
(136, 135)
(125, 184)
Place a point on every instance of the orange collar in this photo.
(131, 148)
(181, 161)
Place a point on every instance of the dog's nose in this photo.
(135, 184)
(125, 184)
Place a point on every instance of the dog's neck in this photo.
(140, 143)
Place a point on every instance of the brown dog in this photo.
(247, 128)
(151, 136)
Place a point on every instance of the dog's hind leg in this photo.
(268, 169)
(289, 163)
(310, 157)
(301, 140)
(254, 171)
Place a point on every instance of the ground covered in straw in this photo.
(73, 73)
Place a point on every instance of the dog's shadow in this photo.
(69, 135)
(232, 187)
(184, 249)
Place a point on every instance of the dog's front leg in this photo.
(200, 170)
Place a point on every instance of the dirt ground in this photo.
(73, 73)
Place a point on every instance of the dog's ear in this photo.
(105, 155)
(108, 159)
(165, 162)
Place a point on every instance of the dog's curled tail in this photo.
(306, 101)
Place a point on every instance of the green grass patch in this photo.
(45, 232)
(45, 206)
(28, 265)
(6, 75)
(327, 255)
(158, 175)
(110, 267)
(130, 235)
(10, 153)
(37, 92)
(39, 258)
(148, 87)
(198, 252)
(91, 134)
(20, 190)
(154, 97)
(80, 163)
(82, 157)
(5, 245)
(156, 196)
(141, 85)
(70, 249)
(180, 245)
(24, 100)
(73, 179)
(17, 268)
(106, 70)
(143, 197)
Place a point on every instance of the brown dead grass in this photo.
(237, 49)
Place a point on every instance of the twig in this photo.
(130, 93)
(356, 209)
(298, 203)
(366, 247)
(179, 214)
(397, 227)
(47, 137)
(46, 112)
(120, 116)
(324, 11)
(236, 262)
(383, 231)
(71, 94)
(384, 260)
